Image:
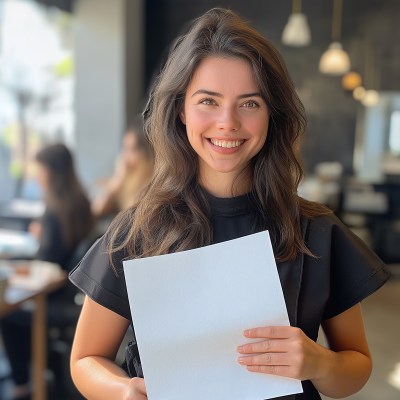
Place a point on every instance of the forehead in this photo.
(228, 76)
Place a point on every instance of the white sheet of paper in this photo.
(189, 310)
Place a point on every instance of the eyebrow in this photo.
(241, 96)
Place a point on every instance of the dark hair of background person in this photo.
(65, 195)
(174, 214)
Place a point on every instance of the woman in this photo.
(133, 172)
(67, 218)
(224, 120)
(66, 221)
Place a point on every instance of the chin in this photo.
(223, 167)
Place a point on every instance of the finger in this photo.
(266, 359)
(271, 345)
(272, 332)
(139, 385)
(280, 370)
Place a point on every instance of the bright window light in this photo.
(394, 377)
(394, 134)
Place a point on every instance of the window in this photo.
(394, 133)
(36, 90)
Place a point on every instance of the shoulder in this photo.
(98, 258)
(327, 232)
(102, 278)
(352, 269)
(324, 222)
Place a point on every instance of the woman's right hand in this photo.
(136, 390)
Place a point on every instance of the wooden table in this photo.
(14, 297)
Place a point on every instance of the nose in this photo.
(228, 120)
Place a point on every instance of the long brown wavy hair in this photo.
(65, 196)
(174, 213)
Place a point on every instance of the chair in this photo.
(64, 309)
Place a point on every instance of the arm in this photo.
(107, 201)
(35, 229)
(98, 336)
(350, 357)
(337, 372)
(104, 204)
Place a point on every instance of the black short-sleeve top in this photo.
(51, 244)
(344, 272)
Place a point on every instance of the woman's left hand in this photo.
(285, 351)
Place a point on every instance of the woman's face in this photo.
(131, 152)
(42, 176)
(225, 116)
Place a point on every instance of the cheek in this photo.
(197, 122)
(258, 127)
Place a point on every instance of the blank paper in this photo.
(190, 309)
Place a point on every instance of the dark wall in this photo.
(331, 111)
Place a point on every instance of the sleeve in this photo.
(96, 277)
(355, 270)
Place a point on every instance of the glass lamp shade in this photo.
(335, 61)
(370, 98)
(351, 80)
(359, 93)
(296, 32)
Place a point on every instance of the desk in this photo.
(13, 298)
(19, 213)
(17, 244)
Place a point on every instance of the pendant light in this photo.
(359, 92)
(296, 32)
(335, 61)
(370, 97)
(351, 80)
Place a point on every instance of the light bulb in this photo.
(351, 80)
(370, 98)
(359, 93)
(296, 32)
(335, 61)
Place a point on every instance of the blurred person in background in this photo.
(66, 222)
(133, 172)
(67, 219)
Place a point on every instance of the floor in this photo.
(382, 322)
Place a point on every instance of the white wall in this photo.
(100, 96)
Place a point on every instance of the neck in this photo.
(224, 184)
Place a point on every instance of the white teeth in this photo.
(227, 144)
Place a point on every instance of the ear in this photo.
(182, 116)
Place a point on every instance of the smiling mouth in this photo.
(227, 143)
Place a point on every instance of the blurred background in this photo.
(74, 75)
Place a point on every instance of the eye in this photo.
(208, 102)
(250, 104)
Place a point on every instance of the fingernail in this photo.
(240, 349)
(246, 333)
(241, 360)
